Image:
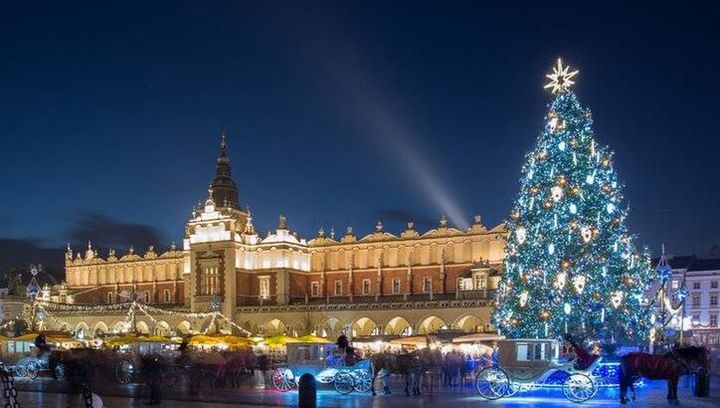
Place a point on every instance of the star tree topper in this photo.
(561, 78)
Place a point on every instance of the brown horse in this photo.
(409, 365)
(669, 366)
(391, 363)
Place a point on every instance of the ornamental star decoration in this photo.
(561, 78)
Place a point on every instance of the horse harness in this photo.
(688, 368)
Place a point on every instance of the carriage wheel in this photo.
(124, 372)
(363, 380)
(21, 371)
(60, 371)
(283, 379)
(169, 376)
(32, 370)
(579, 387)
(492, 383)
(344, 382)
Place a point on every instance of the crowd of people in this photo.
(216, 368)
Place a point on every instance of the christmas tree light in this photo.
(571, 264)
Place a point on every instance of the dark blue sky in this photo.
(341, 113)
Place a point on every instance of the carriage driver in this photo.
(342, 342)
(584, 357)
(346, 351)
(41, 344)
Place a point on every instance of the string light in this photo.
(583, 245)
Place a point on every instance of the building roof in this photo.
(705, 265)
(692, 263)
(681, 262)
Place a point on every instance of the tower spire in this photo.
(223, 144)
(224, 190)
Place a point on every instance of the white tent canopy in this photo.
(477, 338)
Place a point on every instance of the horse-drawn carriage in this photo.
(524, 364)
(34, 365)
(131, 351)
(322, 361)
(29, 361)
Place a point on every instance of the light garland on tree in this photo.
(568, 229)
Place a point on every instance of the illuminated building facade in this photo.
(379, 283)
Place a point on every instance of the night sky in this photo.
(342, 113)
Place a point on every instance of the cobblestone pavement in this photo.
(45, 395)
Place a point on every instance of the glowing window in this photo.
(366, 286)
(315, 289)
(427, 284)
(396, 286)
(264, 287)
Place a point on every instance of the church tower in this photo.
(225, 191)
(213, 238)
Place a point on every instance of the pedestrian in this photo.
(263, 364)
(152, 371)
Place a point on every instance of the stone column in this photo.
(229, 284)
(282, 287)
(442, 272)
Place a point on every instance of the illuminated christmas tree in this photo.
(571, 264)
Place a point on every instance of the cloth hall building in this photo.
(379, 283)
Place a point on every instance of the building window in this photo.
(714, 285)
(166, 295)
(338, 288)
(479, 282)
(465, 283)
(146, 296)
(315, 289)
(427, 284)
(366, 286)
(696, 285)
(675, 284)
(396, 286)
(209, 281)
(696, 300)
(713, 299)
(264, 287)
(110, 297)
(713, 319)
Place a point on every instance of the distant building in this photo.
(701, 277)
(279, 282)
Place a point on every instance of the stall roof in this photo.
(279, 340)
(415, 340)
(125, 340)
(477, 338)
(313, 339)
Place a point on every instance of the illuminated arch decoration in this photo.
(431, 324)
(398, 326)
(184, 327)
(469, 323)
(100, 328)
(365, 326)
(274, 327)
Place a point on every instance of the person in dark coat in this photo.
(41, 344)
(152, 371)
(342, 342)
